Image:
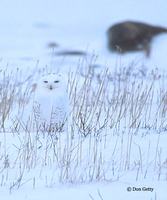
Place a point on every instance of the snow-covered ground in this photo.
(116, 190)
(132, 153)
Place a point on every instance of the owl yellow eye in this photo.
(45, 81)
(56, 81)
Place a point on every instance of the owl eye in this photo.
(45, 81)
(56, 81)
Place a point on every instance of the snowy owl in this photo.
(50, 104)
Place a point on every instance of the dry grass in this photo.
(109, 113)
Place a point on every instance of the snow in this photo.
(27, 27)
(107, 191)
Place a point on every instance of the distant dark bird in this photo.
(70, 53)
(52, 45)
(132, 36)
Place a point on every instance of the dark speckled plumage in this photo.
(132, 36)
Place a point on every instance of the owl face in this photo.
(51, 82)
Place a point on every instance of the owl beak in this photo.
(51, 88)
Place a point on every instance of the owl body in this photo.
(50, 104)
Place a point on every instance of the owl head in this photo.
(51, 82)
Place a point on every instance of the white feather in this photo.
(50, 104)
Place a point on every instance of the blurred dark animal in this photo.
(52, 45)
(71, 53)
(132, 36)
